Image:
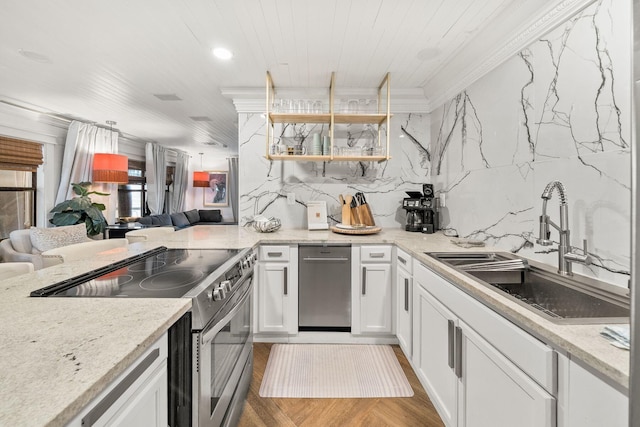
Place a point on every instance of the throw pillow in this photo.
(161, 219)
(180, 220)
(210, 215)
(193, 216)
(145, 220)
(43, 239)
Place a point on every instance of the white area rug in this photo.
(327, 370)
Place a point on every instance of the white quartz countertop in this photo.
(57, 354)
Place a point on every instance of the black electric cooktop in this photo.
(160, 273)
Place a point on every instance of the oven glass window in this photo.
(226, 348)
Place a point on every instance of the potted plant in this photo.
(80, 210)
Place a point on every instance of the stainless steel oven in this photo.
(223, 362)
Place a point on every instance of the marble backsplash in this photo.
(264, 184)
(559, 110)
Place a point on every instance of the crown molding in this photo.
(252, 99)
(539, 24)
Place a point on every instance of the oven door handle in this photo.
(212, 329)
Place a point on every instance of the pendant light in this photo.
(108, 167)
(201, 178)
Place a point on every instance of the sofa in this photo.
(185, 219)
(27, 245)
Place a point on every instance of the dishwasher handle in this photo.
(325, 259)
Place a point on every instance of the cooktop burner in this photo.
(169, 273)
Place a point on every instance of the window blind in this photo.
(20, 155)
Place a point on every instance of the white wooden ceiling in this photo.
(105, 60)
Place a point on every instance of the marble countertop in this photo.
(59, 353)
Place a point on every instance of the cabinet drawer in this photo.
(404, 260)
(274, 253)
(375, 254)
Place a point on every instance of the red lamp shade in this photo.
(200, 179)
(109, 167)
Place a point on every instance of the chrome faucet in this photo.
(565, 255)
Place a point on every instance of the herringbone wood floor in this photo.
(264, 412)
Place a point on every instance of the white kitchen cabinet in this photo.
(138, 397)
(495, 392)
(478, 368)
(277, 290)
(433, 349)
(404, 300)
(585, 400)
(372, 296)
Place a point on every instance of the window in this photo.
(132, 196)
(17, 198)
(19, 161)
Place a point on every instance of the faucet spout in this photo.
(565, 255)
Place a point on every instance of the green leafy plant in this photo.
(80, 210)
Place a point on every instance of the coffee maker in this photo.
(422, 210)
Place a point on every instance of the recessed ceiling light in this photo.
(222, 53)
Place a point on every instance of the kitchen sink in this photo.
(561, 299)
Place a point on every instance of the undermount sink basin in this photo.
(561, 299)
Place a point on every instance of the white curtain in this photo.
(156, 165)
(232, 186)
(180, 182)
(83, 141)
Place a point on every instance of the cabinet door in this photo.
(375, 299)
(403, 310)
(433, 352)
(495, 392)
(274, 298)
(147, 407)
(585, 400)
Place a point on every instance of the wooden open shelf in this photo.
(300, 118)
(366, 119)
(382, 117)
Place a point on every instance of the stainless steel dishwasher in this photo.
(324, 280)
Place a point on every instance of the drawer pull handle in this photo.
(406, 294)
(450, 343)
(286, 280)
(402, 260)
(364, 280)
(376, 255)
(274, 254)
(458, 345)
